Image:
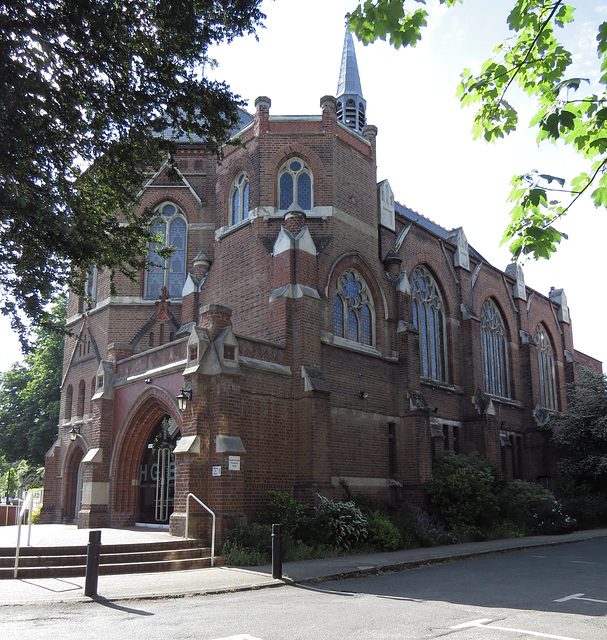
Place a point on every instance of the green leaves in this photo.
(533, 60)
(382, 18)
(581, 439)
(30, 394)
(105, 86)
(531, 231)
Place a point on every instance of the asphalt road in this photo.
(555, 593)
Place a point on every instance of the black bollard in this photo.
(276, 551)
(93, 553)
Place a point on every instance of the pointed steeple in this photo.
(351, 106)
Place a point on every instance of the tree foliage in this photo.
(94, 93)
(581, 440)
(535, 61)
(30, 395)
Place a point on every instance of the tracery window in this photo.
(429, 320)
(170, 226)
(353, 308)
(239, 198)
(545, 357)
(495, 353)
(295, 185)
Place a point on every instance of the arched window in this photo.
(429, 320)
(239, 198)
(81, 394)
(353, 309)
(93, 381)
(170, 227)
(495, 353)
(295, 185)
(69, 397)
(545, 357)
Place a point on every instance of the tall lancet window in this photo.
(171, 229)
(429, 320)
(545, 357)
(495, 353)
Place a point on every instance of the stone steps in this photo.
(62, 562)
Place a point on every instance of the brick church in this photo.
(307, 328)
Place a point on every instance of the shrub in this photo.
(587, 510)
(36, 514)
(339, 523)
(248, 544)
(383, 534)
(462, 493)
(418, 529)
(533, 509)
(367, 504)
(239, 556)
(284, 509)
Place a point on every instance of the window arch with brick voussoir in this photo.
(547, 377)
(295, 186)
(496, 369)
(353, 308)
(171, 228)
(429, 320)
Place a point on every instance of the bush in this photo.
(462, 493)
(383, 534)
(587, 510)
(418, 529)
(248, 544)
(339, 523)
(239, 556)
(533, 509)
(367, 504)
(36, 514)
(284, 509)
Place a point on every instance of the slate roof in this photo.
(245, 119)
(432, 227)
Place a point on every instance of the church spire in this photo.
(351, 106)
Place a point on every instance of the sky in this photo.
(424, 144)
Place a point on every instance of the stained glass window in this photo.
(429, 320)
(495, 353)
(239, 200)
(171, 229)
(295, 185)
(545, 357)
(353, 309)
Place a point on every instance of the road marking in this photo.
(483, 624)
(242, 636)
(578, 596)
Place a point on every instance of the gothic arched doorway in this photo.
(157, 474)
(73, 482)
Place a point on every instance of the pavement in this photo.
(225, 579)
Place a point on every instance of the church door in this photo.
(157, 474)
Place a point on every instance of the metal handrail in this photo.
(25, 508)
(187, 522)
